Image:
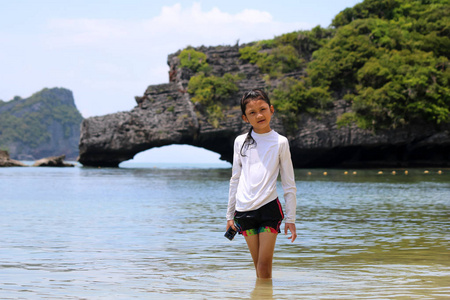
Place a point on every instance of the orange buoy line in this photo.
(406, 172)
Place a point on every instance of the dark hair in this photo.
(255, 94)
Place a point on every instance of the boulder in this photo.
(53, 161)
(6, 161)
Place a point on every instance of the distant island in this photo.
(370, 90)
(43, 125)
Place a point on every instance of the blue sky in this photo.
(107, 52)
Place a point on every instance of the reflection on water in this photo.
(263, 289)
(157, 233)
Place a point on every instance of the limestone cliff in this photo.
(165, 115)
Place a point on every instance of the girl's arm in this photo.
(234, 181)
(288, 182)
(292, 229)
(289, 189)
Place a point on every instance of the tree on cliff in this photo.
(390, 60)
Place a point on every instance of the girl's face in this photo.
(258, 113)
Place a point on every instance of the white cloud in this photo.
(106, 62)
(254, 16)
(175, 25)
(178, 18)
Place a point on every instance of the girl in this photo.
(253, 206)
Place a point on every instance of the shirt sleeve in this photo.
(288, 182)
(234, 181)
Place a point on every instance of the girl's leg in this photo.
(261, 248)
(265, 255)
(253, 246)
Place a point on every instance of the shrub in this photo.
(193, 60)
(285, 53)
(392, 57)
(210, 91)
(293, 96)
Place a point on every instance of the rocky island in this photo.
(165, 115)
(335, 112)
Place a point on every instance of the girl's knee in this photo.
(264, 272)
(264, 267)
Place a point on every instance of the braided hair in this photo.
(255, 94)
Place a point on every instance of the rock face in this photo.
(6, 161)
(165, 115)
(319, 143)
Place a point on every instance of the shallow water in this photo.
(157, 233)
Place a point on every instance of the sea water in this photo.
(156, 232)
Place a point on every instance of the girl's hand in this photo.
(291, 227)
(230, 223)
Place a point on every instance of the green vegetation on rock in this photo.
(193, 60)
(390, 60)
(293, 96)
(286, 53)
(210, 91)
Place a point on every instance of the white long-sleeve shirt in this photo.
(254, 176)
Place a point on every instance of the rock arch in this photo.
(165, 115)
